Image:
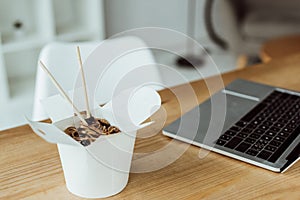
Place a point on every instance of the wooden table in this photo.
(30, 168)
(280, 47)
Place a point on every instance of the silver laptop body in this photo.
(241, 97)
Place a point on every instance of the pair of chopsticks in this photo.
(64, 94)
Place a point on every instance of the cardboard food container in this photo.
(102, 168)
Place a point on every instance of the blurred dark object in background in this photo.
(193, 55)
(244, 25)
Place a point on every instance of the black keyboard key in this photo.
(279, 125)
(297, 117)
(267, 123)
(270, 148)
(264, 155)
(265, 114)
(252, 152)
(235, 128)
(283, 134)
(263, 127)
(259, 131)
(272, 119)
(231, 133)
(248, 117)
(295, 110)
(250, 140)
(262, 141)
(266, 138)
(242, 135)
(282, 120)
(293, 121)
(247, 130)
(251, 126)
(243, 147)
(286, 116)
(257, 147)
(225, 137)
(256, 122)
(260, 118)
(285, 145)
(241, 124)
(279, 139)
(292, 126)
(233, 142)
(275, 143)
(281, 111)
(275, 129)
(276, 115)
(221, 142)
(287, 130)
(270, 133)
(255, 136)
(291, 113)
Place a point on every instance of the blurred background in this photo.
(233, 32)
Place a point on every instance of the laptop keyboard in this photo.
(268, 129)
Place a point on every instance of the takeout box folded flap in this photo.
(132, 107)
(51, 133)
(129, 108)
(127, 111)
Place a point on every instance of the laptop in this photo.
(261, 125)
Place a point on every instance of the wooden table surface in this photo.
(30, 168)
(280, 47)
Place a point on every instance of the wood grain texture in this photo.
(30, 168)
(280, 47)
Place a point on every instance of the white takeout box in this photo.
(102, 168)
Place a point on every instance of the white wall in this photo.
(123, 15)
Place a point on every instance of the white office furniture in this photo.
(27, 25)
